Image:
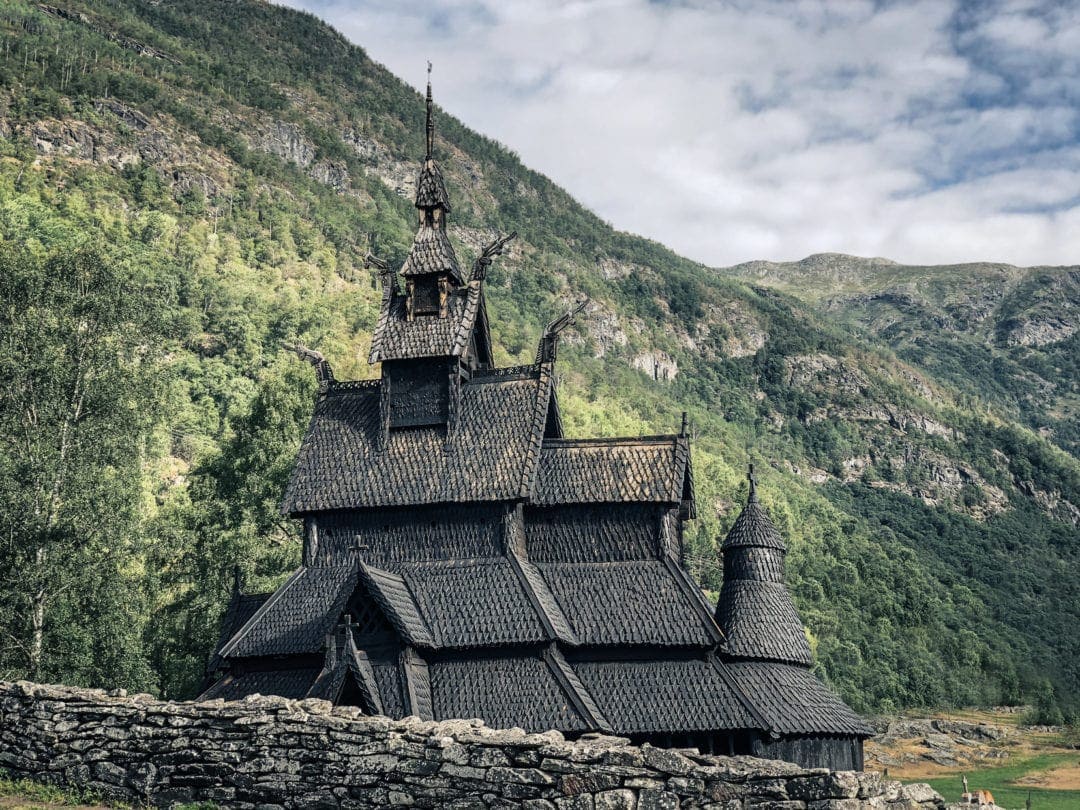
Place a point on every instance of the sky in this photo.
(923, 132)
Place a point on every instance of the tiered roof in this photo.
(755, 611)
(766, 647)
(475, 563)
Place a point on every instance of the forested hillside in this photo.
(185, 186)
(1006, 337)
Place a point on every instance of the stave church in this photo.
(463, 558)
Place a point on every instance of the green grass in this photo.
(999, 782)
(38, 795)
(25, 794)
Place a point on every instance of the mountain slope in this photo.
(246, 159)
(1008, 336)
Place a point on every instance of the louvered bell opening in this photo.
(426, 298)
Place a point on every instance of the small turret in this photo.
(755, 611)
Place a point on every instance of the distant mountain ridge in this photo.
(1003, 333)
(248, 159)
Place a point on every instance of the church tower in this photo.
(432, 335)
(755, 612)
(767, 652)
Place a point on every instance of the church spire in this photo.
(430, 119)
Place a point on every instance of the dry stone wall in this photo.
(268, 752)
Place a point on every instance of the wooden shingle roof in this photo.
(474, 603)
(759, 621)
(753, 528)
(430, 188)
(534, 691)
(755, 609)
(289, 682)
(638, 602)
(794, 702)
(397, 603)
(241, 608)
(667, 695)
(297, 617)
(491, 455)
(397, 338)
(432, 253)
(652, 469)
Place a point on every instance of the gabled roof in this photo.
(794, 702)
(398, 604)
(241, 608)
(474, 603)
(345, 661)
(297, 617)
(530, 691)
(638, 602)
(491, 455)
(759, 621)
(670, 695)
(397, 338)
(432, 253)
(652, 469)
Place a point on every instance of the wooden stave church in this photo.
(462, 558)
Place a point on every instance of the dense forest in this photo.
(187, 186)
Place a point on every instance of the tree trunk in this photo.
(37, 620)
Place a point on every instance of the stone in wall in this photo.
(278, 754)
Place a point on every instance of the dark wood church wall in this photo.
(834, 753)
(593, 533)
(413, 534)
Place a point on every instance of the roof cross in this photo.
(752, 497)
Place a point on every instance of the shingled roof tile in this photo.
(673, 695)
(491, 455)
(610, 470)
(505, 691)
(430, 188)
(474, 603)
(398, 604)
(793, 701)
(297, 617)
(637, 602)
(397, 338)
(753, 528)
(291, 682)
(759, 620)
(431, 252)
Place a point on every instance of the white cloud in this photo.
(921, 131)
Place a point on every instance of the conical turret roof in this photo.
(753, 526)
(755, 611)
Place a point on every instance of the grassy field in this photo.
(1012, 783)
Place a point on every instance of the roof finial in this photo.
(684, 431)
(752, 497)
(430, 119)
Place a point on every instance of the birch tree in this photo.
(77, 392)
